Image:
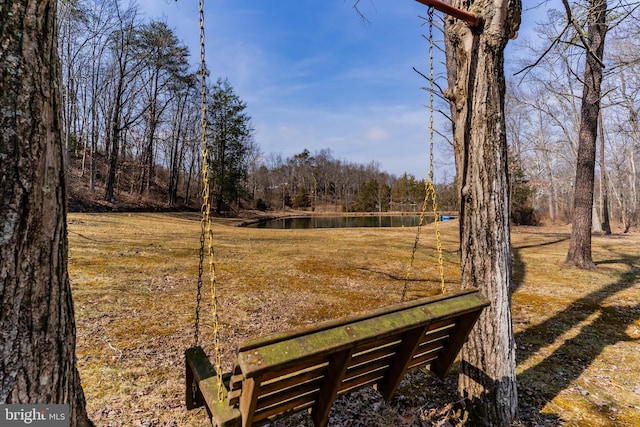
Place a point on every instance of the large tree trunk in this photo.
(37, 345)
(604, 186)
(580, 245)
(476, 93)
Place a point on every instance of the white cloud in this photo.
(376, 133)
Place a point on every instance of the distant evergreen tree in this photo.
(522, 212)
(261, 205)
(366, 199)
(230, 134)
(407, 192)
(384, 197)
(301, 199)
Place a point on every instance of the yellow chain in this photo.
(205, 209)
(430, 191)
(430, 187)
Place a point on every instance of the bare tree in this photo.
(546, 134)
(623, 124)
(182, 130)
(125, 68)
(164, 69)
(579, 253)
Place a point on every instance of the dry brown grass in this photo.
(134, 278)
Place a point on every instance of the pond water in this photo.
(342, 222)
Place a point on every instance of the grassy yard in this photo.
(134, 280)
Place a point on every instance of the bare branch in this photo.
(580, 33)
(541, 57)
(360, 14)
(624, 16)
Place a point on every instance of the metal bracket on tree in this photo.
(443, 7)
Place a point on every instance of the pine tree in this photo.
(230, 134)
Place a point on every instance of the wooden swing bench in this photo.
(307, 368)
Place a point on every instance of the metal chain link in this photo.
(431, 187)
(430, 192)
(196, 332)
(204, 171)
(206, 232)
(430, 15)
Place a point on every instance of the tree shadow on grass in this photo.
(545, 380)
(518, 266)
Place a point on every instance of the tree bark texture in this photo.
(37, 327)
(604, 186)
(476, 93)
(580, 245)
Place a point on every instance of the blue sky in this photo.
(315, 76)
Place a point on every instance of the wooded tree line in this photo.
(130, 99)
(310, 180)
(132, 111)
(132, 108)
